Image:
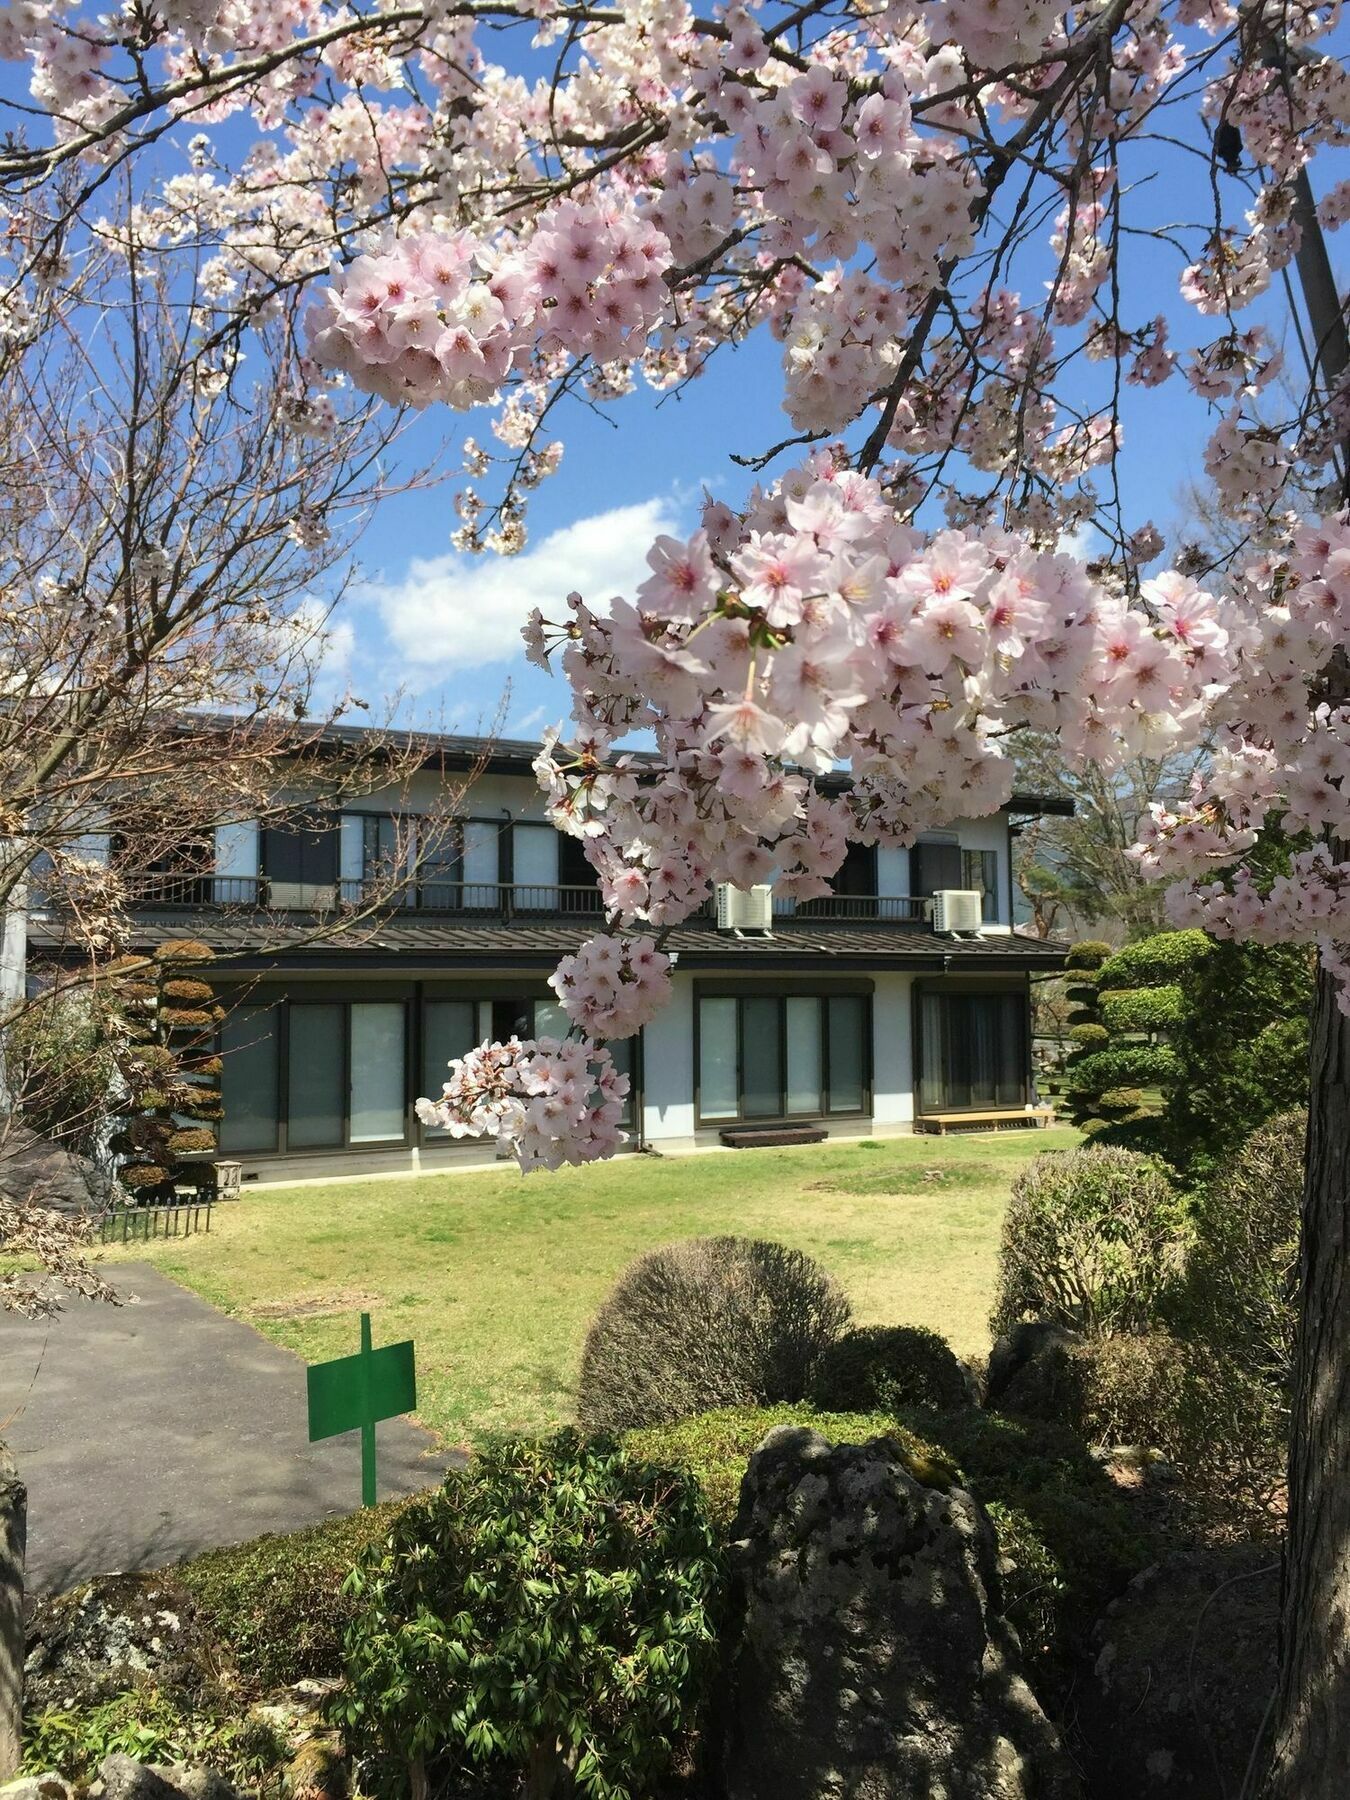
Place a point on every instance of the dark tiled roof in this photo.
(515, 756)
(409, 943)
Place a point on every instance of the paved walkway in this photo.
(150, 1431)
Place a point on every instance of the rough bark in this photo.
(13, 1540)
(1311, 1758)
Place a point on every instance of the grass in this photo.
(496, 1276)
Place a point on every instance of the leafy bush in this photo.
(1225, 1434)
(1240, 1293)
(153, 1727)
(708, 1322)
(552, 1611)
(1091, 1240)
(1066, 1537)
(880, 1367)
(61, 1065)
(278, 1603)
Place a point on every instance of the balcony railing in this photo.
(482, 899)
(883, 908)
(497, 900)
(157, 889)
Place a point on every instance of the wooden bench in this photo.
(769, 1137)
(938, 1124)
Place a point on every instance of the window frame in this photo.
(974, 989)
(413, 997)
(825, 991)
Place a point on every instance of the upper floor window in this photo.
(936, 865)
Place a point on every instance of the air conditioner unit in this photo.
(303, 896)
(957, 909)
(742, 909)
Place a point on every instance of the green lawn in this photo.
(496, 1276)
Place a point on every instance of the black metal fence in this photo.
(139, 1224)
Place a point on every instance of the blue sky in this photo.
(441, 629)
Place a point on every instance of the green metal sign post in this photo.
(352, 1393)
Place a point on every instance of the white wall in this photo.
(892, 1050)
(668, 1066)
(990, 834)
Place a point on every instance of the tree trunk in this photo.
(13, 1540)
(547, 1775)
(1311, 1759)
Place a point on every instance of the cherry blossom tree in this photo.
(939, 209)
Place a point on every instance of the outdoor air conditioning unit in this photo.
(744, 909)
(303, 896)
(957, 909)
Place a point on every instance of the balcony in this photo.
(500, 901)
(463, 899)
(886, 909)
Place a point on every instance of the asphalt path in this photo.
(151, 1431)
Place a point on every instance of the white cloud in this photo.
(461, 612)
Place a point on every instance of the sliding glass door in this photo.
(782, 1056)
(973, 1051)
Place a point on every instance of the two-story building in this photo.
(859, 1014)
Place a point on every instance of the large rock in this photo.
(111, 1634)
(1185, 1667)
(38, 1172)
(123, 1778)
(867, 1657)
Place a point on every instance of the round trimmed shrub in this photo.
(1125, 1065)
(1090, 953)
(188, 1018)
(1088, 1035)
(1168, 953)
(1120, 1103)
(192, 993)
(880, 1367)
(190, 1140)
(551, 1613)
(185, 950)
(141, 1176)
(1142, 1009)
(1092, 1240)
(704, 1323)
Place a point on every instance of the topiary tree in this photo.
(550, 1614)
(1092, 1241)
(1087, 1035)
(877, 1367)
(169, 1067)
(705, 1323)
(1220, 1030)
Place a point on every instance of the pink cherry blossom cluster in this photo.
(1282, 759)
(650, 189)
(614, 986)
(423, 320)
(817, 631)
(547, 1103)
